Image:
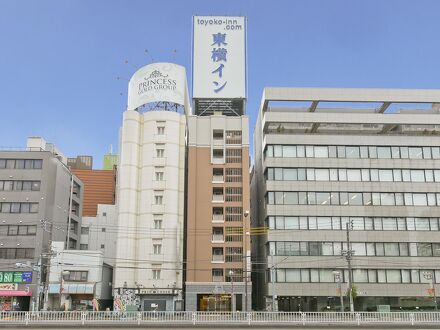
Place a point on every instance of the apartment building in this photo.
(329, 160)
(40, 202)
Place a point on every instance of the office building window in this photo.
(21, 164)
(83, 246)
(233, 155)
(76, 276)
(157, 248)
(160, 150)
(156, 272)
(160, 127)
(159, 173)
(84, 230)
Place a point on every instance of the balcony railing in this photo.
(218, 238)
(218, 258)
(217, 198)
(218, 218)
(217, 178)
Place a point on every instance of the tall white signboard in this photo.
(219, 57)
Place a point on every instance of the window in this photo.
(217, 134)
(83, 246)
(156, 274)
(158, 197)
(160, 127)
(159, 173)
(102, 246)
(160, 150)
(157, 248)
(84, 230)
(234, 254)
(233, 137)
(157, 223)
(217, 275)
(233, 155)
(76, 276)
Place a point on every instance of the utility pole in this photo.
(431, 291)
(272, 280)
(338, 277)
(246, 214)
(48, 256)
(348, 256)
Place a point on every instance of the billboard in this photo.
(155, 83)
(219, 57)
(15, 277)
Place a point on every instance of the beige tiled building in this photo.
(217, 209)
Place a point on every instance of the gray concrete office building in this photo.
(328, 157)
(35, 198)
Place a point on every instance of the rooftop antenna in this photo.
(148, 54)
(134, 66)
(174, 54)
(111, 149)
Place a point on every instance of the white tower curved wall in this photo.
(151, 180)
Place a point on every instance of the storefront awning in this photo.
(15, 293)
(72, 288)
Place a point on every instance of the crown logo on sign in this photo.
(156, 74)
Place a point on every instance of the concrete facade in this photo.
(35, 196)
(217, 201)
(327, 163)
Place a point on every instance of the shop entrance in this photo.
(14, 303)
(214, 302)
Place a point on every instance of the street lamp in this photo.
(231, 276)
(431, 291)
(246, 214)
(338, 278)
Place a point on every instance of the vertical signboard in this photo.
(219, 57)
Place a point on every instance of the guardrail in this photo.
(224, 318)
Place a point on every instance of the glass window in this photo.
(401, 224)
(324, 223)
(352, 152)
(10, 163)
(33, 208)
(305, 275)
(322, 174)
(422, 223)
(314, 275)
(395, 152)
(2, 163)
(269, 151)
(12, 230)
(415, 153)
(397, 175)
(358, 223)
(372, 276)
(281, 275)
(370, 249)
(22, 230)
(415, 278)
(326, 276)
(408, 199)
(278, 151)
(377, 224)
(373, 152)
(386, 175)
(343, 196)
(278, 174)
(301, 174)
(365, 174)
(406, 276)
(381, 277)
(427, 152)
(32, 230)
(303, 223)
(337, 248)
(291, 223)
(309, 151)
(15, 207)
(380, 250)
(341, 151)
(300, 151)
(303, 248)
(342, 174)
(360, 276)
(399, 199)
(412, 249)
(429, 176)
(354, 175)
(336, 222)
(279, 197)
(391, 249)
(312, 223)
(310, 174)
(368, 223)
(435, 152)
(293, 275)
(374, 175)
(433, 223)
(404, 152)
(389, 223)
(393, 276)
(289, 151)
(417, 176)
(436, 249)
(384, 152)
(364, 152)
(387, 199)
(327, 248)
(321, 152)
(420, 200)
(355, 198)
(38, 164)
(291, 198)
(332, 151)
(424, 250)
(323, 198)
(431, 199)
(28, 163)
(290, 174)
(334, 198)
(314, 248)
(302, 198)
(359, 249)
(333, 174)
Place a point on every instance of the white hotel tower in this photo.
(150, 194)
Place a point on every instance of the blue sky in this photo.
(59, 59)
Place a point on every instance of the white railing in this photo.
(225, 318)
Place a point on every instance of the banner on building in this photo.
(219, 57)
(158, 82)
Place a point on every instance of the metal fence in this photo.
(215, 318)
